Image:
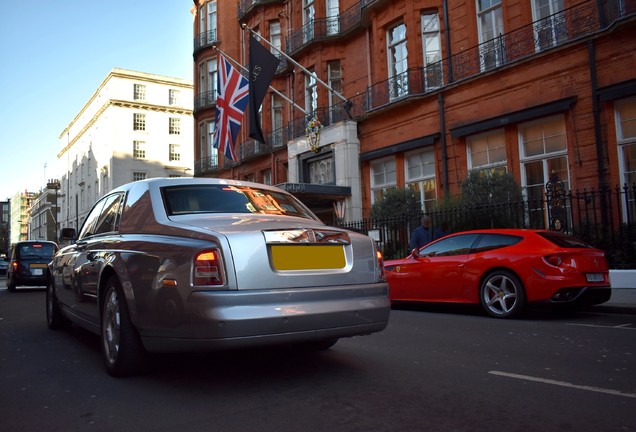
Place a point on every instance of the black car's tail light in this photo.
(208, 268)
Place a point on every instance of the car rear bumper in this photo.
(215, 320)
(582, 295)
(29, 280)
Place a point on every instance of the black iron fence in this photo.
(605, 218)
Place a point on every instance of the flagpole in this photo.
(314, 76)
(214, 47)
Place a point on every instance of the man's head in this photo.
(426, 221)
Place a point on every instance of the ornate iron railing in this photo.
(246, 6)
(205, 39)
(605, 218)
(205, 100)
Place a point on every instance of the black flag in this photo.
(263, 66)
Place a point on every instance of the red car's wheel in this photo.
(502, 294)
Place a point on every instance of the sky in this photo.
(54, 54)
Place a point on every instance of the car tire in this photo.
(11, 286)
(502, 295)
(54, 317)
(122, 349)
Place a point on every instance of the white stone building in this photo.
(135, 126)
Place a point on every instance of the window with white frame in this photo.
(139, 92)
(311, 93)
(207, 23)
(432, 46)
(267, 176)
(490, 23)
(543, 156)
(383, 177)
(625, 115)
(137, 175)
(398, 61)
(139, 149)
(174, 127)
(333, 20)
(549, 23)
(139, 122)
(487, 151)
(275, 37)
(309, 13)
(334, 76)
(419, 168)
(208, 83)
(277, 120)
(173, 97)
(174, 152)
(206, 134)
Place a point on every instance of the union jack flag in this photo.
(233, 92)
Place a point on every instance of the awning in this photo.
(317, 196)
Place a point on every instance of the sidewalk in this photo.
(623, 301)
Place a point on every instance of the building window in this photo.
(139, 92)
(139, 175)
(311, 94)
(275, 37)
(277, 121)
(549, 23)
(487, 151)
(398, 61)
(139, 122)
(208, 73)
(175, 152)
(321, 170)
(139, 149)
(309, 14)
(267, 176)
(173, 97)
(334, 76)
(431, 43)
(174, 127)
(490, 23)
(625, 115)
(420, 177)
(207, 23)
(382, 177)
(543, 155)
(333, 20)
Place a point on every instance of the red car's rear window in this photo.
(564, 240)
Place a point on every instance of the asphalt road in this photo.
(433, 369)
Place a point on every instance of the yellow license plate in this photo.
(37, 265)
(307, 257)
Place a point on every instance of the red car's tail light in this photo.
(208, 268)
(555, 260)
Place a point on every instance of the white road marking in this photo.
(627, 326)
(563, 384)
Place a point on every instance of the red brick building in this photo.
(432, 89)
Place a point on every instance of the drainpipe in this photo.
(598, 135)
(449, 62)
(442, 129)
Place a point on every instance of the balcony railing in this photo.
(205, 39)
(205, 100)
(246, 6)
(206, 165)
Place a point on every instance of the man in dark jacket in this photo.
(423, 234)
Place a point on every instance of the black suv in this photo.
(28, 262)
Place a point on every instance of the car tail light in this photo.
(555, 260)
(380, 258)
(208, 268)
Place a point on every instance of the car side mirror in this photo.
(415, 253)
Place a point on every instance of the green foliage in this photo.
(396, 202)
(492, 199)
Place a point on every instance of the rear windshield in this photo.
(563, 240)
(35, 250)
(190, 199)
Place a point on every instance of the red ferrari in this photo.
(503, 270)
